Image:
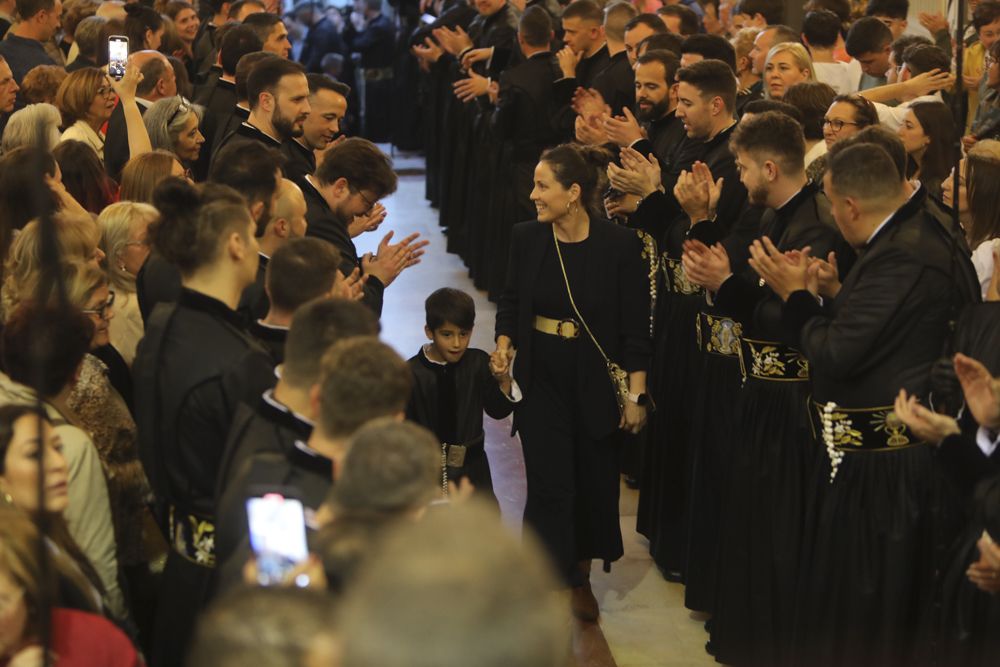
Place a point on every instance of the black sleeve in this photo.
(634, 311)
(508, 305)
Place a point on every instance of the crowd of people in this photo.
(745, 267)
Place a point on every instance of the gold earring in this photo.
(7, 498)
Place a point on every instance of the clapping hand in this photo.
(985, 573)
(638, 175)
(589, 104)
(368, 222)
(429, 52)
(927, 425)
(824, 275)
(453, 41)
(624, 130)
(473, 56)
(469, 89)
(590, 131)
(706, 266)
(392, 260)
(934, 23)
(783, 272)
(981, 390)
(350, 287)
(697, 193)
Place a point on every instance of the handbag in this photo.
(617, 374)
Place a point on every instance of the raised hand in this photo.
(708, 267)
(694, 194)
(392, 260)
(568, 60)
(930, 82)
(126, 86)
(589, 104)
(590, 133)
(927, 425)
(350, 287)
(639, 181)
(624, 130)
(368, 222)
(783, 273)
(981, 389)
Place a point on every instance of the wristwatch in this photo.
(639, 399)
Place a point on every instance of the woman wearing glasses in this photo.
(173, 125)
(848, 115)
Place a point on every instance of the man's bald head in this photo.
(112, 9)
(289, 210)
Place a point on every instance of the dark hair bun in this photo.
(176, 231)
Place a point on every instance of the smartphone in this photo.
(117, 56)
(277, 535)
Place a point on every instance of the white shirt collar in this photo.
(879, 228)
(274, 403)
(424, 349)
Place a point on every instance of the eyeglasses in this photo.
(103, 310)
(367, 201)
(183, 107)
(106, 91)
(836, 124)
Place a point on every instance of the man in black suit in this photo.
(372, 35)
(616, 82)
(278, 93)
(206, 47)
(340, 196)
(238, 114)
(322, 38)
(158, 82)
(328, 105)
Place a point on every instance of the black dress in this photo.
(568, 416)
(192, 368)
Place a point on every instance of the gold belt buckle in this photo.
(456, 456)
(576, 329)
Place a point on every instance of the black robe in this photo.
(616, 83)
(873, 530)
(449, 399)
(299, 161)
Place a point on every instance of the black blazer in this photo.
(116, 152)
(613, 299)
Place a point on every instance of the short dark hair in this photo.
(236, 7)
(267, 74)
(316, 326)
(842, 8)
(858, 170)
(535, 27)
(865, 113)
(246, 64)
(713, 78)
(867, 35)
(812, 99)
(784, 34)
(363, 165)
(821, 28)
(264, 626)
(985, 13)
(585, 10)
(894, 9)
(262, 23)
(391, 467)
(318, 82)
(773, 11)
(764, 105)
(301, 270)
(362, 379)
(671, 63)
(922, 58)
(904, 42)
(651, 21)
(771, 135)
(28, 8)
(249, 168)
(43, 345)
(662, 41)
(690, 25)
(449, 305)
(878, 136)
(236, 43)
(152, 71)
(138, 19)
(711, 47)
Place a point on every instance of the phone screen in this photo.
(277, 535)
(117, 56)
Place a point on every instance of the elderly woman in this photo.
(172, 124)
(41, 84)
(787, 64)
(126, 247)
(35, 125)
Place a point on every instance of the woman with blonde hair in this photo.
(126, 246)
(787, 64)
(142, 174)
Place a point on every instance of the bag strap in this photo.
(569, 293)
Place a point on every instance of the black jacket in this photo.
(322, 38)
(192, 368)
(614, 300)
(116, 151)
(246, 132)
(324, 224)
(616, 83)
(299, 161)
(524, 117)
(890, 321)
(376, 43)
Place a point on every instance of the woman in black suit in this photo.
(569, 418)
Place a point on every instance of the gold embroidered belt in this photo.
(772, 361)
(676, 278)
(718, 335)
(193, 537)
(862, 429)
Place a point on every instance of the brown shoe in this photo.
(584, 603)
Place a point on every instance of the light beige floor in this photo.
(643, 617)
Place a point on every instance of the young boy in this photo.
(452, 387)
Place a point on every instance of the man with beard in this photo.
(327, 104)
(656, 105)
(347, 185)
(278, 92)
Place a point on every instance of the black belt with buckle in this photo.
(718, 335)
(454, 455)
(772, 361)
(862, 429)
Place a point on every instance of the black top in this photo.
(226, 126)
(272, 338)
(158, 281)
(79, 63)
(890, 320)
(23, 55)
(299, 161)
(449, 399)
(192, 368)
(324, 224)
(616, 83)
(246, 132)
(550, 297)
(254, 303)
(375, 43)
(116, 150)
(524, 117)
(612, 293)
(665, 135)
(322, 38)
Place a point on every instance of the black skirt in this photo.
(869, 553)
(762, 524)
(710, 451)
(663, 490)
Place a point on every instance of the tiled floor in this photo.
(643, 619)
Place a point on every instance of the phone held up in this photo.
(277, 535)
(117, 56)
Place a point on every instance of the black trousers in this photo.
(572, 476)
